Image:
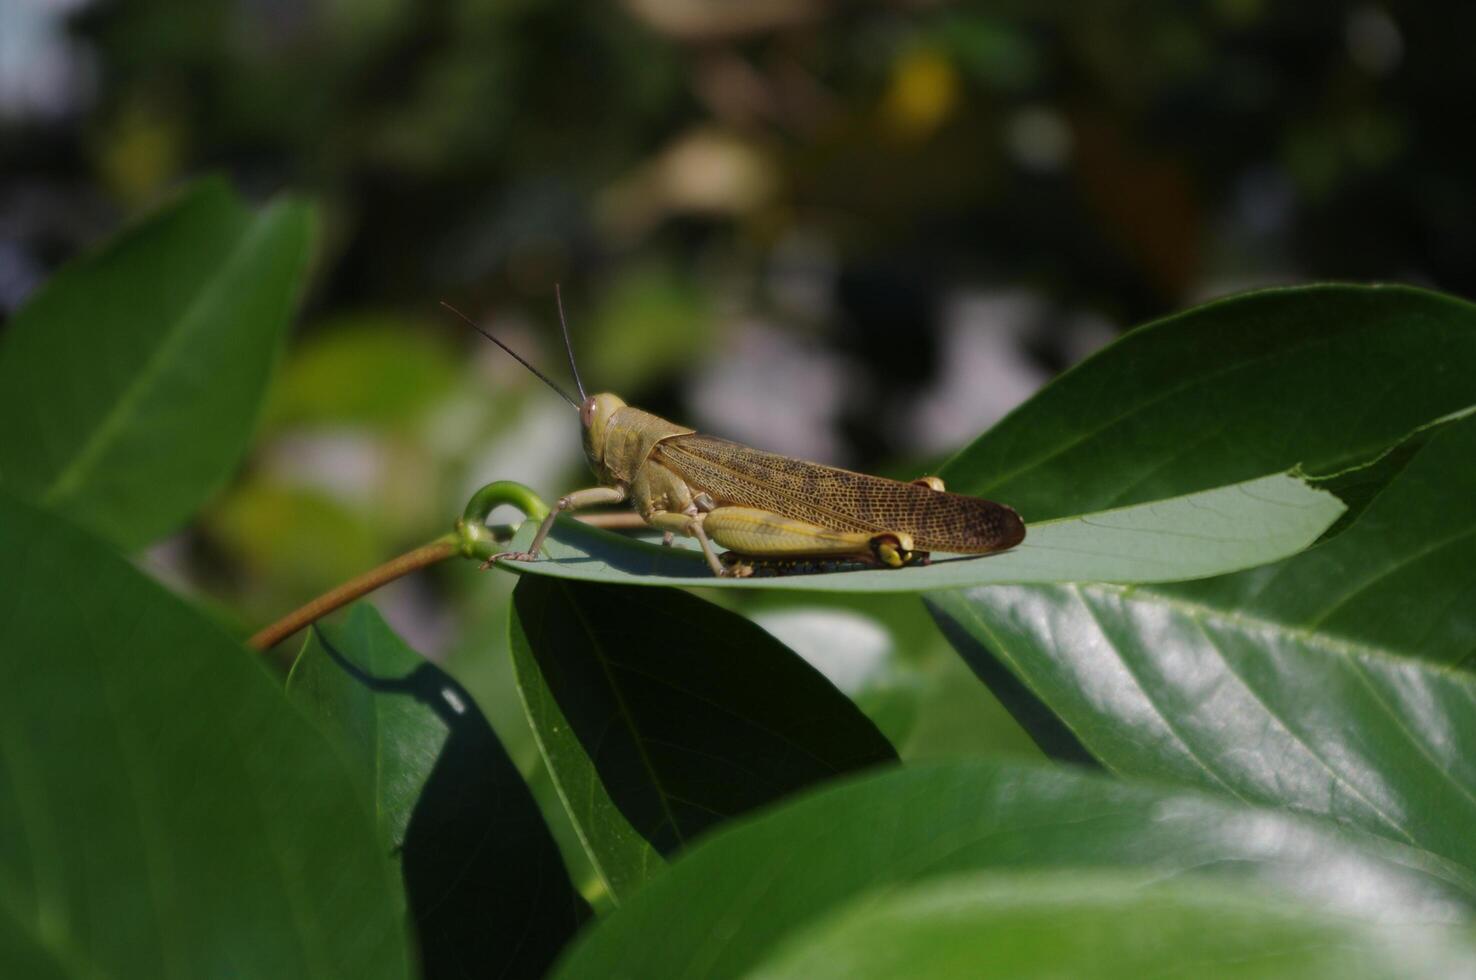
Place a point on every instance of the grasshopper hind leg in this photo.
(691, 524)
(764, 543)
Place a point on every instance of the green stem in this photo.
(481, 542)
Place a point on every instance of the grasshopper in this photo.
(769, 511)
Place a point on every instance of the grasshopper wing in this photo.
(734, 474)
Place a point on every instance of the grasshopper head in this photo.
(594, 415)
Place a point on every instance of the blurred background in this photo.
(857, 233)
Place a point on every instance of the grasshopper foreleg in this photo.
(573, 501)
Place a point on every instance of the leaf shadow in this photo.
(1034, 715)
(487, 888)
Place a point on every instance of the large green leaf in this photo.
(1318, 376)
(1300, 685)
(723, 908)
(130, 383)
(166, 812)
(1107, 926)
(661, 715)
(487, 888)
(1203, 534)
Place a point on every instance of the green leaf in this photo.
(1319, 376)
(1402, 576)
(486, 885)
(1298, 685)
(166, 811)
(1203, 534)
(131, 382)
(661, 716)
(722, 909)
(649, 323)
(296, 538)
(1295, 651)
(1290, 684)
(1107, 926)
(374, 370)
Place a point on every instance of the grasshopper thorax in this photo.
(594, 415)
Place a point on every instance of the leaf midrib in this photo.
(1354, 652)
(129, 399)
(1247, 621)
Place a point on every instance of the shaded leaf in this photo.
(722, 909)
(131, 382)
(487, 888)
(1324, 377)
(1203, 534)
(661, 716)
(1300, 684)
(166, 811)
(885, 653)
(1124, 926)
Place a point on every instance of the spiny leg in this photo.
(690, 524)
(572, 501)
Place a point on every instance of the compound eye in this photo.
(586, 412)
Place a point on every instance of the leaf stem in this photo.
(471, 539)
(446, 546)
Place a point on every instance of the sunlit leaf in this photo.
(131, 382)
(723, 908)
(1122, 926)
(1203, 534)
(1302, 684)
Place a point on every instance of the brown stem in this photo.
(437, 551)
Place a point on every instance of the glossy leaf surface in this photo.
(1305, 684)
(723, 908)
(1107, 926)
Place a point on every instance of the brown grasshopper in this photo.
(768, 510)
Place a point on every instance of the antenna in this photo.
(564, 326)
(539, 374)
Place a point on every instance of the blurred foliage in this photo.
(1124, 157)
(370, 370)
(769, 218)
